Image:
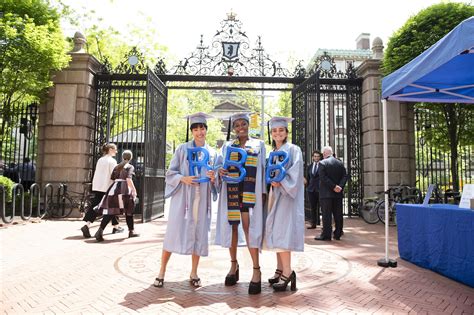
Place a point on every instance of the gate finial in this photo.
(79, 43)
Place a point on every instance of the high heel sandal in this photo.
(255, 287)
(232, 279)
(158, 282)
(195, 282)
(276, 278)
(281, 286)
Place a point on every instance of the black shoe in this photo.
(232, 279)
(118, 229)
(98, 235)
(132, 234)
(255, 287)
(276, 277)
(281, 286)
(85, 231)
(159, 282)
(311, 227)
(337, 238)
(195, 282)
(320, 238)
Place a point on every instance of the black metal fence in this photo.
(327, 111)
(434, 156)
(19, 144)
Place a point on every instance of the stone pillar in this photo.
(401, 146)
(66, 122)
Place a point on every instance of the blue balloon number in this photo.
(195, 162)
(271, 167)
(238, 164)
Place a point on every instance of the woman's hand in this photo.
(211, 175)
(188, 180)
(223, 172)
(276, 184)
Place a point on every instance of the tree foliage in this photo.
(421, 31)
(32, 45)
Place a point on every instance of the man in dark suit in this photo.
(333, 177)
(312, 179)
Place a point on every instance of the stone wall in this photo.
(401, 147)
(66, 125)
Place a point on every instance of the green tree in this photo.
(182, 103)
(418, 34)
(31, 47)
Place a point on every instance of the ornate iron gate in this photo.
(131, 112)
(327, 111)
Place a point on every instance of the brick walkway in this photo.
(47, 267)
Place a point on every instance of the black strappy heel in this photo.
(255, 287)
(276, 278)
(232, 279)
(281, 286)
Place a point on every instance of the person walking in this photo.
(333, 177)
(312, 180)
(242, 202)
(120, 197)
(100, 183)
(284, 228)
(190, 207)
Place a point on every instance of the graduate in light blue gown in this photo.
(190, 207)
(284, 228)
(241, 205)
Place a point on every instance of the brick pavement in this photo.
(47, 267)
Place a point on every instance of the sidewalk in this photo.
(47, 267)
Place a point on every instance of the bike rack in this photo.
(47, 197)
(2, 188)
(61, 192)
(16, 188)
(34, 192)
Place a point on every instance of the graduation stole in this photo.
(248, 193)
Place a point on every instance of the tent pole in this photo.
(385, 262)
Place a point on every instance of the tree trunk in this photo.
(452, 122)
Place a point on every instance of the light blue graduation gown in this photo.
(256, 216)
(183, 236)
(284, 228)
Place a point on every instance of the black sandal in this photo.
(275, 279)
(159, 282)
(255, 287)
(195, 282)
(232, 279)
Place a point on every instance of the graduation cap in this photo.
(234, 118)
(197, 118)
(276, 122)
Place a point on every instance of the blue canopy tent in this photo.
(444, 73)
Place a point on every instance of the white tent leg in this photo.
(385, 262)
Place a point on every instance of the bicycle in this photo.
(398, 194)
(373, 208)
(61, 205)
